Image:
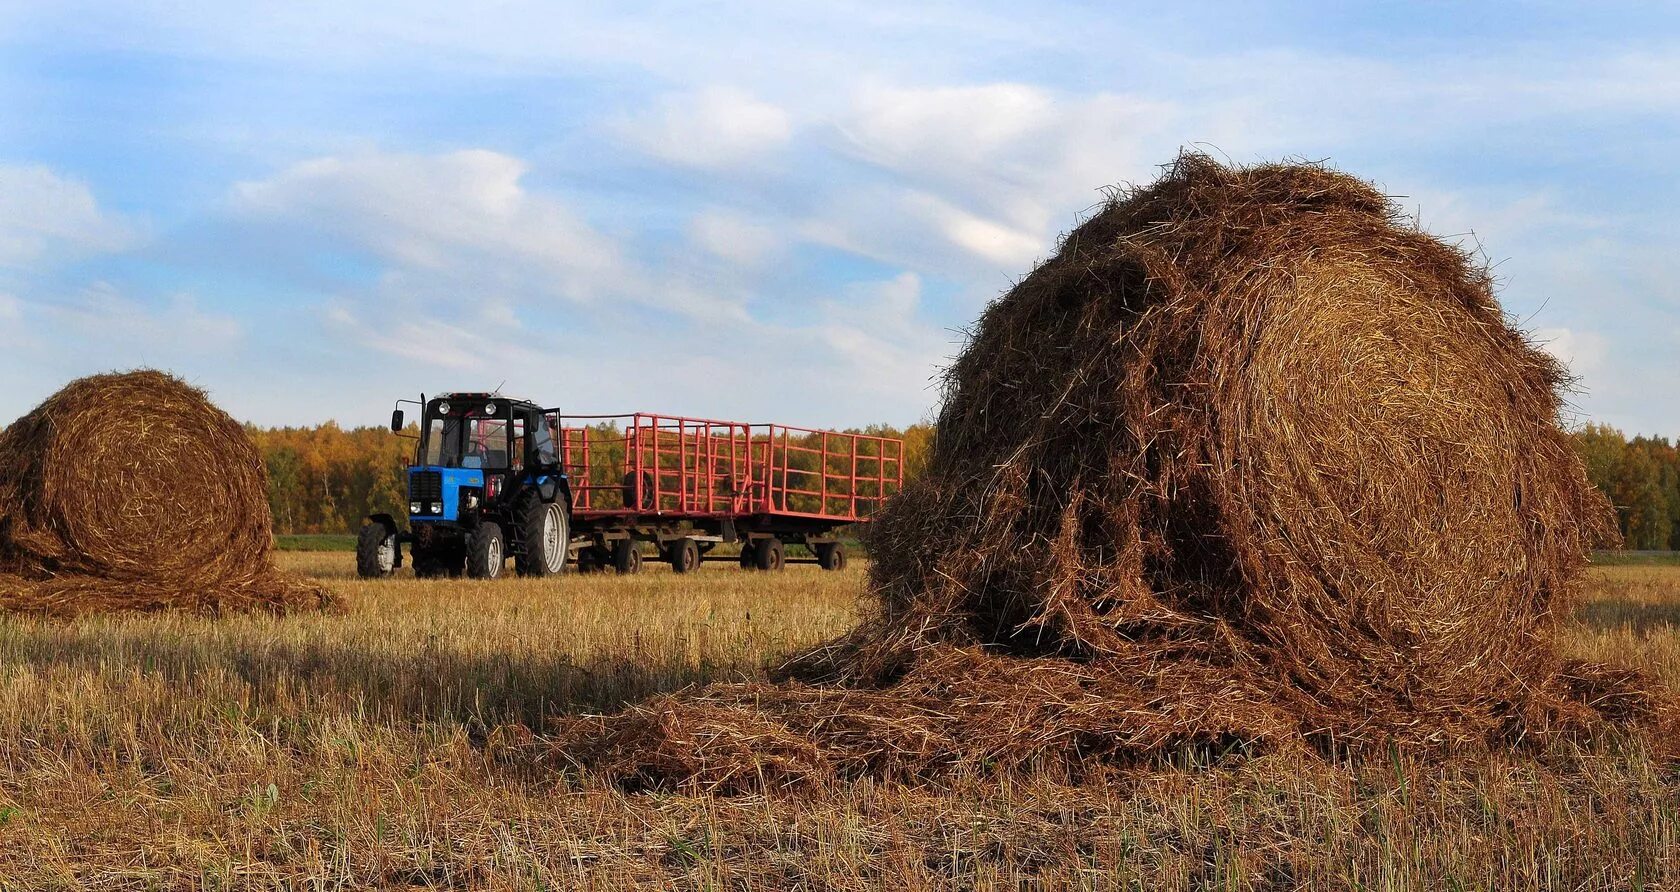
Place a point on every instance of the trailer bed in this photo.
(667, 468)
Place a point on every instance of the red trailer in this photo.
(690, 484)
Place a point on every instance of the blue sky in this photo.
(765, 211)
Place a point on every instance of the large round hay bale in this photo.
(1255, 418)
(1251, 460)
(133, 491)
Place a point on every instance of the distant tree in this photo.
(1641, 505)
(1600, 447)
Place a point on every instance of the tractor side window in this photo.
(547, 454)
(518, 454)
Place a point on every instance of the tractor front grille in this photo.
(425, 486)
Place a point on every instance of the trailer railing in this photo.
(648, 463)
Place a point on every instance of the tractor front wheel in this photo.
(376, 551)
(486, 551)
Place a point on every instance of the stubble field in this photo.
(383, 748)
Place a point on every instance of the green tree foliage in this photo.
(1641, 476)
(326, 479)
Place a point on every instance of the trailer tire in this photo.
(831, 556)
(593, 559)
(684, 555)
(546, 536)
(486, 551)
(376, 551)
(639, 491)
(767, 554)
(627, 557)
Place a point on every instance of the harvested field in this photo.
(1251, 465)
(133, 492)
(173, 751)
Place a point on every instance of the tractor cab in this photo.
(487, 482)
(474, 448)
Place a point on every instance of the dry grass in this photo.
(324, 751)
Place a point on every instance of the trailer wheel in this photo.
(546, 535)
(638, 491)
(486, 551)
(767, 554)
(593, 559)
(684, 555)
(376, 551)
(627, 558)
(831, 556)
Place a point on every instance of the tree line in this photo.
(326, 479)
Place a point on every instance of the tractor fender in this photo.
(384, 520)
(556, 488)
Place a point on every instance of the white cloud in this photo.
(884, 350)
(994, 241)
(945, 127)
(461, 229)
(464, 212)
(1582, 351)
(733, 237)
(434, 342)
(977, 181)
(104, 313)
(708, 128)
(44, 214)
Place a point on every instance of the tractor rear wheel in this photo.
(684, 555)
(831, 556)
(546, 535)
(376, 551)
(767, 554)
(486, 551)
(627, 556)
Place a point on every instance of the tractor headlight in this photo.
(414, 507)
(471, 500)
(437, 507)
(443, 408)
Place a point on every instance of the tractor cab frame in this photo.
(487, 482)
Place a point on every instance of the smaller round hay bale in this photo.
(133, 491)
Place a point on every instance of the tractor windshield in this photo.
(469, 441)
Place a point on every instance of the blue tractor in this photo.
(487, 483)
